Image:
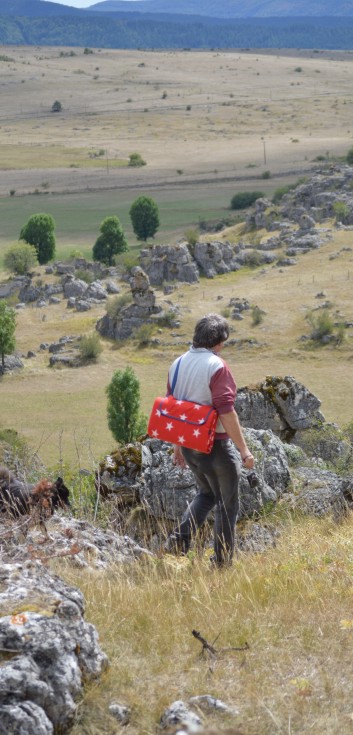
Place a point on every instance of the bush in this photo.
(341, 211)
(56, 106)
(257, 316)
(136, 160)
(143, 334)
(191, 237)
(266, 174)
(123, 411)
(321, 325)
(115, 305)
(20, 258)
(90, 347)
(245, 199)
(279, 193)
(253, 259)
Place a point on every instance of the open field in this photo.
(208, 124)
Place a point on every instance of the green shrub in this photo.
(144, 334)
(191, 236)
(135, 159)
(245, 199)
(253, 259)
(90, 347)
(20, 258)
(115, 305)
(279, 193)
(321, 325)
(85, 275)
(257, 315)
(124, 418)
(341, 211)
(266, 174)
(166, 319)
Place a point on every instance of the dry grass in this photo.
(246, 109)
(292, 605)
(47, 405)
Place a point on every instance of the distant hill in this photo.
(34, 22)
(35, 8)
(232, 8)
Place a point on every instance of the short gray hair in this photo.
(210, 330)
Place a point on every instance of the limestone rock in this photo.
(53, 651)
(214, 258)
(280, 404)
(169, 263)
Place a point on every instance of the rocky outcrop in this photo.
(142, 310)
(11, 362)
(320, 492)
(281, 404)
(169, 263)
(48, 651)
(316, 197)
(214, 258)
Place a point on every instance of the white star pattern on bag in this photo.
(196, 432)
(179, 403)
(155, 433)
(158, 413)
(197, 406)
(181, 439)
(183, 417)
(169, 426)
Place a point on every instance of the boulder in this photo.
(214, 258)
(169, 263)
(12, 362)
(52, 651)
(281, 404)
(142, 310)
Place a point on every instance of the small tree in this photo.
(244, 199)
(56, 106)
(124, 418)
(20, 258)
(7, 330)
(144, 217)
(110, 242)
(39, 232)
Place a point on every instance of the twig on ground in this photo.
(212, 650)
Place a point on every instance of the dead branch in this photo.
(212, 650)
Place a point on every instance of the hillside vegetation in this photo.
(125, 30)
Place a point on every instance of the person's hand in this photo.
(178, 458)
(248, 461)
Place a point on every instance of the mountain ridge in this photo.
(35, 22)
(232, 8)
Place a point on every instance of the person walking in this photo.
(204, 377)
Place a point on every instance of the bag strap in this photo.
(175, 376)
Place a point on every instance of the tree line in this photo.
(37, 240)
(151, 31)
